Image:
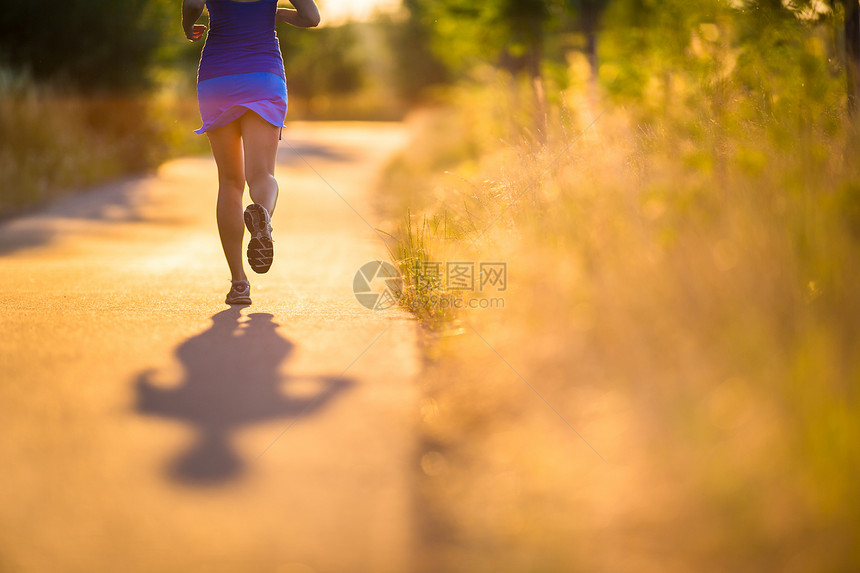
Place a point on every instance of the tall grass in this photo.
(673, 383)
(53, 140)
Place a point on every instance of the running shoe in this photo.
(240, 293)
(260, 248)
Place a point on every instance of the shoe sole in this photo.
(260, 248)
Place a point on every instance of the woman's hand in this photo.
(191, 12)
(196, 32)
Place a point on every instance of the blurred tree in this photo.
(323, 61)
(416, 66)
(88, 44)
(519, 36)
(851, 15)
(506, 32)
(774, 53)
(587, 15)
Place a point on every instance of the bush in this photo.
(90, 45)
(53, 140)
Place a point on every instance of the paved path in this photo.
(145, 426)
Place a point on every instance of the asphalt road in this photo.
(146, 426)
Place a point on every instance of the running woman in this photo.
(242, 91)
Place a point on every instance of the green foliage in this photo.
(506, 32)
(764, 59)
(422, 289)
(342, 72)
(323, 61)
(416, 67)
(88, 44)
(83, 94)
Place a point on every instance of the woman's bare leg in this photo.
(226, 143)
(260, 139)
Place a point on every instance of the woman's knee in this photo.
(231, 183)
(230, 193)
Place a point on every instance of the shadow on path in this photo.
(293, 152)
(232, 379)
(115, 201)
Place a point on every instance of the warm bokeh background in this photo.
(120, 76)
(672, 384)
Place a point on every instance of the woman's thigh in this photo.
(226, 143)
(261, 145)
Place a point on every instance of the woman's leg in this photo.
(261, 150)
(226, 143)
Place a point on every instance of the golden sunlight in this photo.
(336, 11)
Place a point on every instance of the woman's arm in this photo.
(306, 14)
(191, 12)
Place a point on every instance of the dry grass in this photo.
(52, 140)
(682, 294)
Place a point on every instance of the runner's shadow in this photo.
(232, 380)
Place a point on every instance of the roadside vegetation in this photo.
(55, 140)
(672, 384)
(87, 93)
(102, 89)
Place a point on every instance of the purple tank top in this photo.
(241, 39)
